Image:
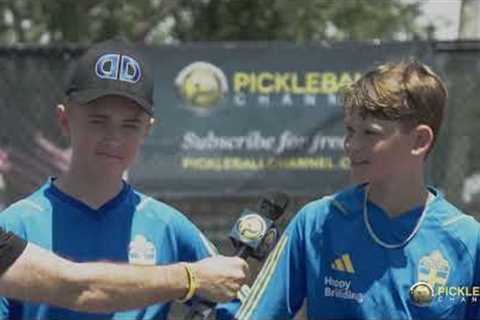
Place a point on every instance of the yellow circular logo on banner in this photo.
(201, 85)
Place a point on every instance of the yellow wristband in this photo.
(192, 285)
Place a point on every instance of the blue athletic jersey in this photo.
(130, 228)
(328, 257)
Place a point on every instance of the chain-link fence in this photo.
(455, 165)
(32, 147)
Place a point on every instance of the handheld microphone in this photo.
(253, 235)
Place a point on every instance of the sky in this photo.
(444, 15)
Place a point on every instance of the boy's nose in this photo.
(112, 136)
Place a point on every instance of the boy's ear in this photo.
(423, 140)
(150, 123)
(62, 119)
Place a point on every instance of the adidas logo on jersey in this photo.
(341, 288)
(343, 264)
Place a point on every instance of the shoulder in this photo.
(455, 224)
(27, 207)
(450, 218)
(150, 208)
(27, 212)
(343, 206)
(345, 203)
(162, 217)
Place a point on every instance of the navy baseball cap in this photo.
(113, 67)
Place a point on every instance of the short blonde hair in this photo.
(408, 91)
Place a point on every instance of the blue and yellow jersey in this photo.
(131, 228)
(329, 258)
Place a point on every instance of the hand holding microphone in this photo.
(219, 278)
(253, 235)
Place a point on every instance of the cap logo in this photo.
(118, 67)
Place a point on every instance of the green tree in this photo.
(300, 20)
(85, 21)
(55, 21)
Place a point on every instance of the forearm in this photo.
(108, 287)
(41, 276)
